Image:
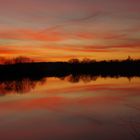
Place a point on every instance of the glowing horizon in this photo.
(60, 30)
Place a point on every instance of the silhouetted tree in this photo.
(86, 60)
(2, 60)
(17, 60)
(22, 59)
(74, 61)
(129, 58)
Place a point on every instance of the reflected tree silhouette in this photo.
(77, 78)
(88, 78)
(25, 85)
(73, 79)
(19, 86)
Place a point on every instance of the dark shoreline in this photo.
(38, 70)
(23, 77)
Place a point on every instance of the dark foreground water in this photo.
(70, 108)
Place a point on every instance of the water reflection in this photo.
(26, 85)
(76, 107)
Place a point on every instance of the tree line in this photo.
(23, 59)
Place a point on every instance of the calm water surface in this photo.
(70, 108)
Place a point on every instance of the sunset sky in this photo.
(58, 30)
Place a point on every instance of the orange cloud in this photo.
(55, 44)
(54, 34)
(108, 36)
(28, 34)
